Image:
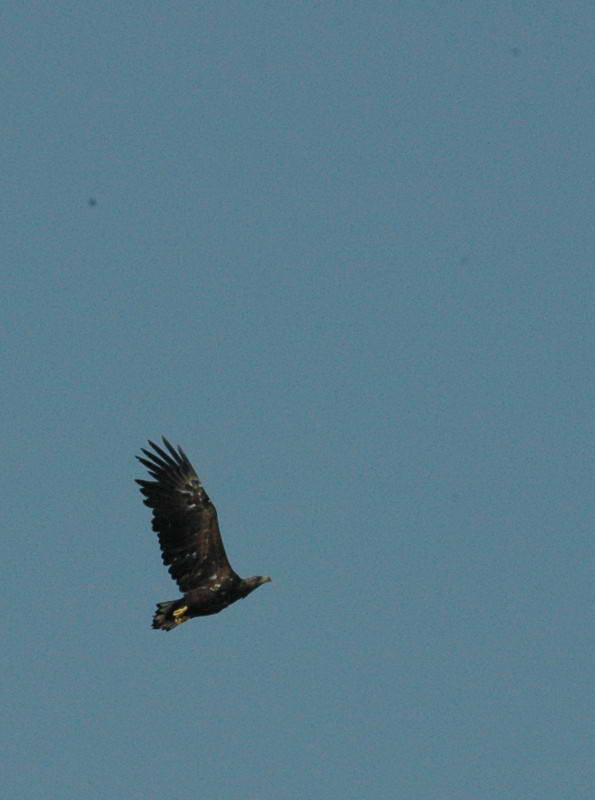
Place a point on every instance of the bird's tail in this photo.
(169, 615)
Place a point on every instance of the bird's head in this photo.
(251, 584)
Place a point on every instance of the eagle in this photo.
(186, 523)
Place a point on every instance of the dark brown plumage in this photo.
(186, 523)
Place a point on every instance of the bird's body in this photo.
(191, 546)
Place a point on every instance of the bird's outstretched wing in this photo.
(183, 517)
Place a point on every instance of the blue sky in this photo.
(343, 254)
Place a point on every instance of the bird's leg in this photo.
(178, 615)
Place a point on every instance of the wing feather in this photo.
(183, 517)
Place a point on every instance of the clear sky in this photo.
(343, 254)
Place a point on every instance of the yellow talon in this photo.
(179, 612)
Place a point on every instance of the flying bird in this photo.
(186, 523)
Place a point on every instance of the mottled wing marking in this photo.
(183, 517)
